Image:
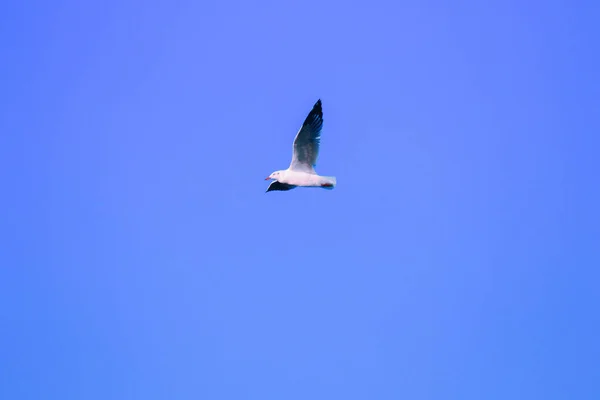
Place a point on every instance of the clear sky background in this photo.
(457, 258)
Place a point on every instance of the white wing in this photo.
(308, 139)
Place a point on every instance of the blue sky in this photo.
(456, 259)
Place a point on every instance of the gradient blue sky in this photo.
(457, 258)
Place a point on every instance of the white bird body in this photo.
(301, 172)
(306, 179)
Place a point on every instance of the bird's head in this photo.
(274, 175)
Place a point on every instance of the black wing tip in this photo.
(315, 116)
(278, 186)
(318, 105)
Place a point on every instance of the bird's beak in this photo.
(267, 178)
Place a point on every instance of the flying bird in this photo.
(301, 172)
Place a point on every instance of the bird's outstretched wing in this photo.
(307, 141)
(276, 185)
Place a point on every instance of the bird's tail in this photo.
(329, 182)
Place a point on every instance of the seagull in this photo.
(301, 172)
